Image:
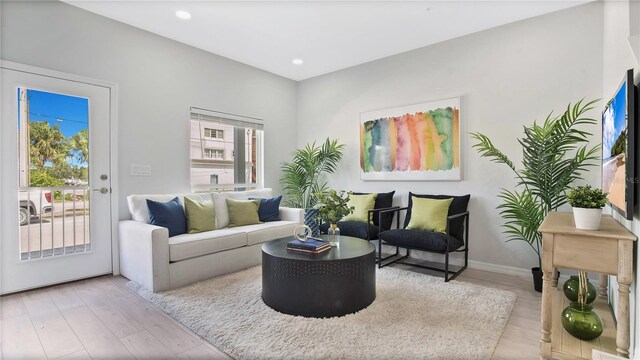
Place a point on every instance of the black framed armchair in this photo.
(455, 238)
(376, 220)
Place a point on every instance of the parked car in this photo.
(33, 203)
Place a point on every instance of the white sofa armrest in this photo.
(144, 254)
(292, 214)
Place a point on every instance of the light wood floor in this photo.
(101, 318)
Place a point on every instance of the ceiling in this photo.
(327, 35)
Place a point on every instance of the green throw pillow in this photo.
(362, 204)
(429, 214)
(201, 215)
(243, 212)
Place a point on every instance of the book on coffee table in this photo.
(312, 244)
(315, 252)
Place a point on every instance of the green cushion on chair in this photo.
(362, 204)
(459, 205)
(429, 214)
(383, 200)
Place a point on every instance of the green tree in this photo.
(41, 178)
(61, 170)
(80, 145)
(620, 144)
(48, 144)
(301, 178)
(81, 172)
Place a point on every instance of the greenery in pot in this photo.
(333, 206)
(587, 197)
(301, 176)
(554, 154)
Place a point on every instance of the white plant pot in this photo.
(587, 219)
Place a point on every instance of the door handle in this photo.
(102, 190)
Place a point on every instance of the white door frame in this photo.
(113, 141)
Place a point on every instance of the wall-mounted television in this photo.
(619, 124)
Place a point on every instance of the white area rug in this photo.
(414, 316)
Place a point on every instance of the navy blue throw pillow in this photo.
(169, 215)
(269, 209)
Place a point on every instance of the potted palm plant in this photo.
(554, 155)
(587, 206)
(302, 176)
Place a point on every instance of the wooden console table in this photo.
(605, 251)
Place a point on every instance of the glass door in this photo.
(56, 179)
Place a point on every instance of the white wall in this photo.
(621, 23)
(507, 77)
(159, 80)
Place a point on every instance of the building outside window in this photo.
(226, 151)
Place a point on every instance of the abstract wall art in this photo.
(413, 142)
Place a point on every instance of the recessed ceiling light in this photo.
(184, 15)
(297, 61)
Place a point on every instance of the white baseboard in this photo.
(510, 270)
(501, 269)
(479, 265)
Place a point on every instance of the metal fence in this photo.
(53, 221)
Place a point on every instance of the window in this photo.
(217, 154)
(226, 151)
(213, 133)
(53, 173)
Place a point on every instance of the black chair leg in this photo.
(394, 258)
(446, 266)
(466, 256)
(379, 253)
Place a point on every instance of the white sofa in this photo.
(158, 262)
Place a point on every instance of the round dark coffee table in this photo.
(338, 282)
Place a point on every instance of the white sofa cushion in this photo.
(220, 202)
(138, 203)
(187, 246)
(268, 231)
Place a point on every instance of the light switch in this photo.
(140, 170)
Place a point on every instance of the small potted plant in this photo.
(332, 207)
(587, 203)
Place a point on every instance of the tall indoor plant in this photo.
(554, 154)
(302, 176)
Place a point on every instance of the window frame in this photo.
(213, 131)
(208, 119)
(213, 150)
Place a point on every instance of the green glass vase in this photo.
(570, 289)
(581, 321)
